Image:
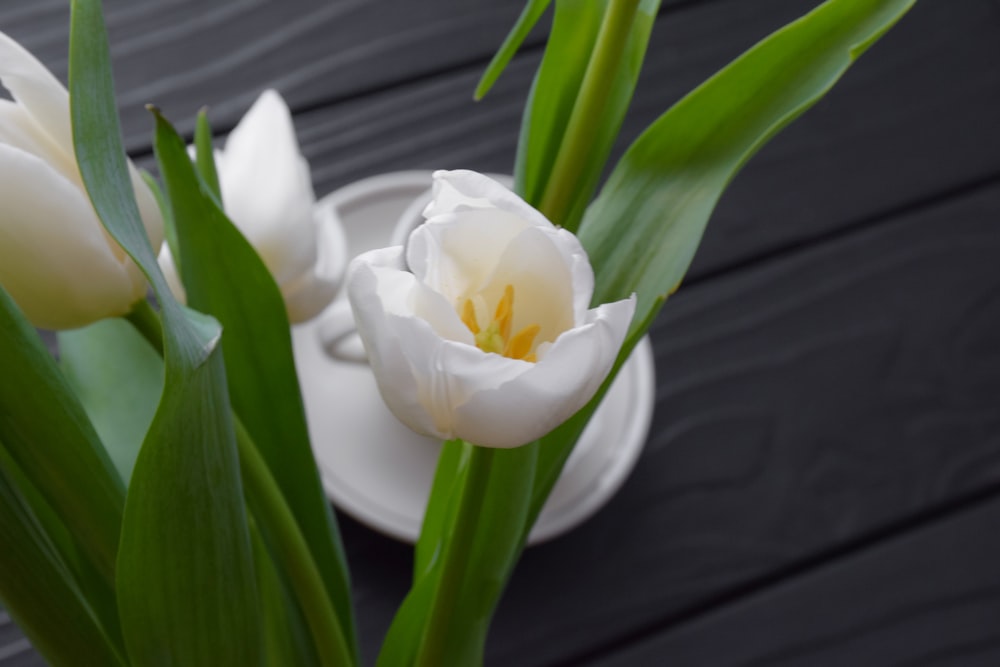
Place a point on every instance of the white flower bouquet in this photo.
(199, 534)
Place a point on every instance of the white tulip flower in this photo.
(481, 329)
(56, 260)
(267, 193)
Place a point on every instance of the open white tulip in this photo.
(56, 260)
(267, 193)
(481, 328)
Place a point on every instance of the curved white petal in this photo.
(310, 293)
(377, 282)
(461, 190)
(552, 390)
(169, 268)
(54, 257)
(266, 188)
(38, 91)
(533, 265)
(149, 210)
(456, 255)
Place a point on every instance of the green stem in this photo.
(293, 552)
(271, 510)
(588, 111)
(147, 322)
(431, 652)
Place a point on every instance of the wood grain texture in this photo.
(185, 54)
(15, 650)
(911, 122)
(802, 404)
(929, 599)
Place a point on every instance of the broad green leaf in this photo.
(118, 377)
(286, 636)
(555, 171)
(39, 588)
(642, 231)
(525, 22)
(223, 275)
(48, 435)
(186, 587)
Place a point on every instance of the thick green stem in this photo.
(272, 512)
(456, 558)
(292, 551)
(588, 111)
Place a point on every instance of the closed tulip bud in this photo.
(267, 193)
(56, 260)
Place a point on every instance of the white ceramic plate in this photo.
(379, 471)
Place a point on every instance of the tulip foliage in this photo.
(159, 505)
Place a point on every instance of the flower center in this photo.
(495, 337)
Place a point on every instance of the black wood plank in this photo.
(185, 54)
(913, 121)
(930, 599)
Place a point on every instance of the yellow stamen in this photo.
(505, 311)
(469, 316)
(496, 336)
(519, 346)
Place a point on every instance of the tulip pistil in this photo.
(496, 336)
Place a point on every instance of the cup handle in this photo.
(338, 335)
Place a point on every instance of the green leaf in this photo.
(48, 435)
(169, 231)
(286, 637)
(186, 587)
(39, 588)
(224, 276)
(204, 158)
(525, 22)
(588, 74)
(118, 377)
(642, 231)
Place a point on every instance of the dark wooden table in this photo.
(822, 481)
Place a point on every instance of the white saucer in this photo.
(379, 471)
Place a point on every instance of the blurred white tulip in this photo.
(56, 260)
(267, 193)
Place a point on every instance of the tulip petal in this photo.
(46, 131)
(462, 190)
(552, 390)
(310, 293)
(467, 191)
(18, 129)
(169, 269)
(370, 278)
(266, 188)
(54, 258)
(37, 90)
(456, 257)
